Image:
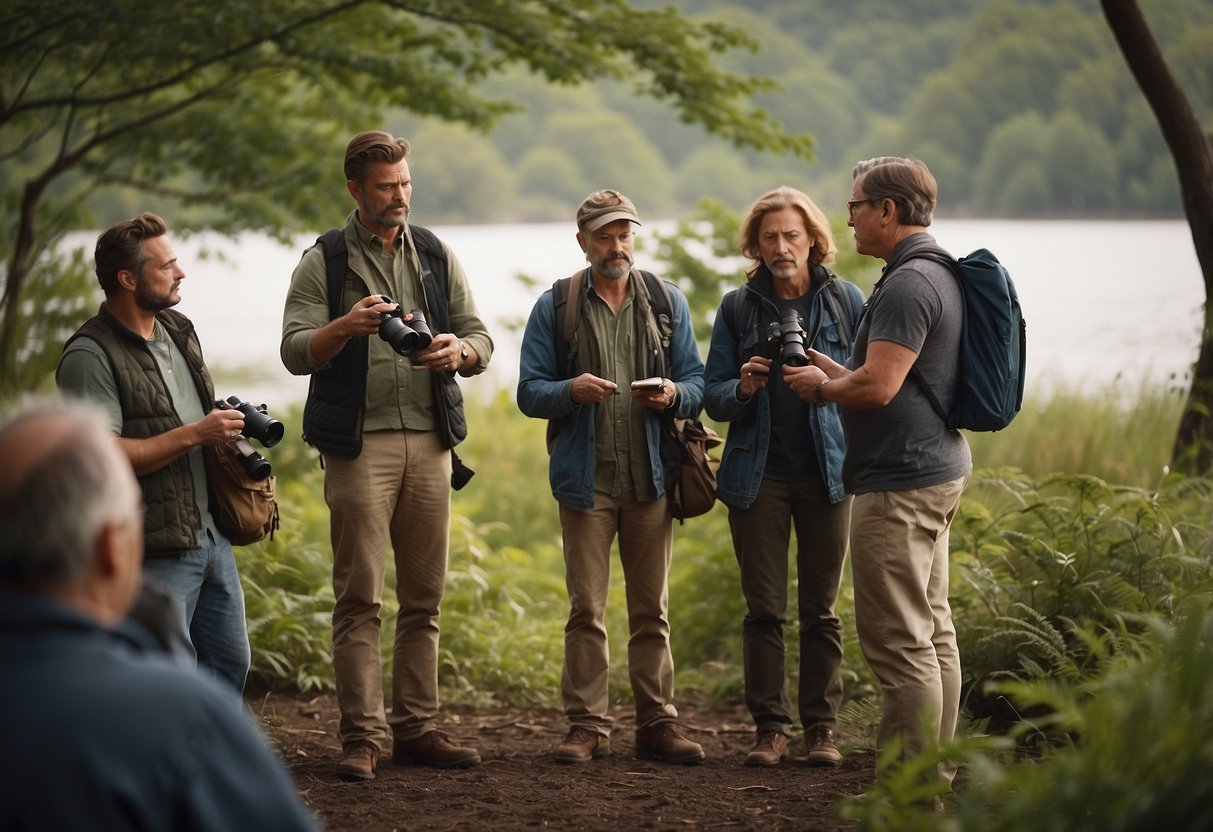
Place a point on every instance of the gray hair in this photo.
(53, 511)
(908, 182)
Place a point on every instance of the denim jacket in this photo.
(749, 435)
(544, 393)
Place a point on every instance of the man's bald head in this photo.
(64, 482)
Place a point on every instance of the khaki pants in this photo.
(645, 543)
(899, 561)
(399, 488)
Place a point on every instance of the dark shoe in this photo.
(582, 745)
(770, 749)
(358, 761)
(433, 749)
(819, 742)
(664, 742)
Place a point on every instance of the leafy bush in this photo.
(1143, 716)
(1035, 560)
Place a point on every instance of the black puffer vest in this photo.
(172, 522)
(336, 400)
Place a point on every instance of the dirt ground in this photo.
(518, 785)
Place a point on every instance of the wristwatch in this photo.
(463, 353)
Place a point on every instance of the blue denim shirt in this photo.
(749, 434)
(544, 393)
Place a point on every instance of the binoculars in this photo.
(405, 337)
(257, 425)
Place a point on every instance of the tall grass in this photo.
(1103, 434)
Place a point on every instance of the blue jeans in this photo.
(207, 588)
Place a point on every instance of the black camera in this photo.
(789, 334)
(257, 425)
(405, 337)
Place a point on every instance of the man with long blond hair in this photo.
(783, 465)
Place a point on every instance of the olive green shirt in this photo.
(621, 453)
(397, 395)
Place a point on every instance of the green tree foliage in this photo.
(455, 170)
(612, 153)
(244, 108)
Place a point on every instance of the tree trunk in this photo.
(1193, 154)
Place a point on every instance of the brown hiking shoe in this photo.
(664, 742)
(770, 749)
(819, 742)
(582, 745)
(358, 761)
(433, 749)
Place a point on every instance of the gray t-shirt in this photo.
(905, 444)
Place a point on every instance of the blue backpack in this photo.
(993, 344)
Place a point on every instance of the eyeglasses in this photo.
(852, 204)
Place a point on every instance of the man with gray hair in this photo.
(386, 415)
(906, 468)
(607, 471)
(101, 729)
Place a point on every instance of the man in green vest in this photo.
(141, 361)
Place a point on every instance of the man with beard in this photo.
(606, 469)
(141, 361)
(783, 466)
(386, 424)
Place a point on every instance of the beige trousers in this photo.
(899, 562)
(398, 489)
(645, 543)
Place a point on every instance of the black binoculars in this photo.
(257, 425)
(405, 337)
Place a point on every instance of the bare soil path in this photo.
(518, 785)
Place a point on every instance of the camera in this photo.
(405, 337)
(257, 425)
(789, 334)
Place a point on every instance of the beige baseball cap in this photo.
(605, 206)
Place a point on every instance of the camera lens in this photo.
(792, 337)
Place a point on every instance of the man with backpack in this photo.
(609, 358)
(385, 413)
(783, 465)
(903, 463)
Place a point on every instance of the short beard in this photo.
(145, 300)
(784, 270)
(385, 219)
(612, 268)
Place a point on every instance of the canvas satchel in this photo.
(244, 509)
(694, 491)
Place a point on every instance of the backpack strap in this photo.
(661, 322)
(935, 255)
(566, 308)
(333, 242)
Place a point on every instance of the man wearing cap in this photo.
(606, 443)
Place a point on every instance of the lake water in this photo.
(1104, 300)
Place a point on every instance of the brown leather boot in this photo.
(358, 761)
(666, 743)
(770, 749)
(582, 745)
(819, 742)
(433, 749)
